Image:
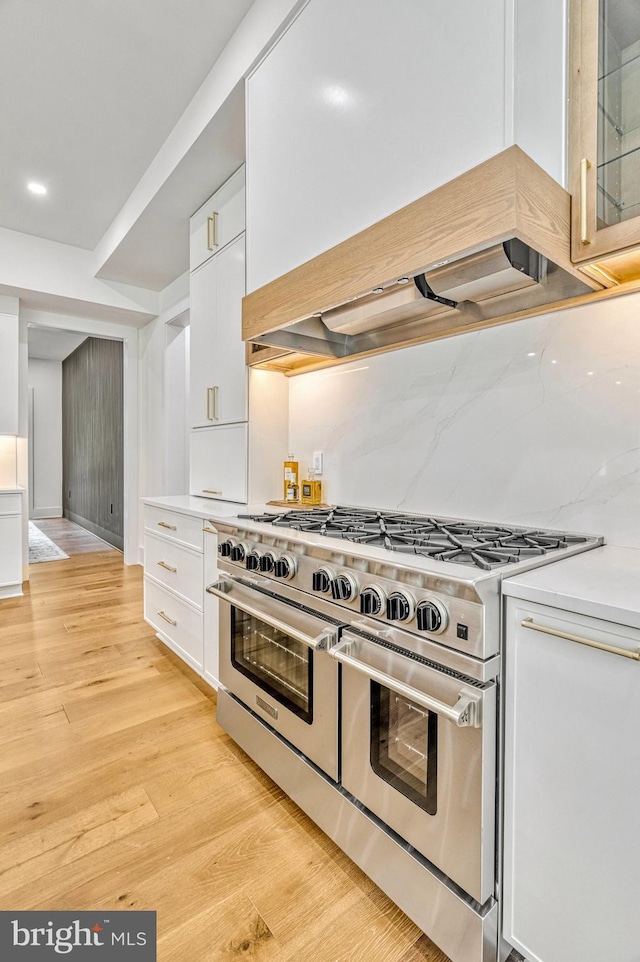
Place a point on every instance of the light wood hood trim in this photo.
(506, 196)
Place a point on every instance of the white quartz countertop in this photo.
(602, 583)
(207, 507)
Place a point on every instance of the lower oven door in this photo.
(273, 658)
(419, 751)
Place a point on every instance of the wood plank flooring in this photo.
(70, 537)
(119, 790)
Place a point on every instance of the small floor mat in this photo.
(42, 548)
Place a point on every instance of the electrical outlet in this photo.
(317, 462)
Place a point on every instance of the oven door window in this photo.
(404, 746)
(282, 666)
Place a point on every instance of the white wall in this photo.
(536, 422)
(45, 378)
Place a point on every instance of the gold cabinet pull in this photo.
(215, 402)
(210, 491)
(163, 564)
(167, 618)
(612, 649)
(171, 527)
(211, 404)
(584, 228)
(212, 231)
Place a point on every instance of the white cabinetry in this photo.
(10, 543)
(218, 221)
(9, 341)
(218, 370)
(173, 581)
(219, 462)
(239, 419)
(572, 783)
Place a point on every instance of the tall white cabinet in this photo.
(572, 760)
(10, 543)
(234, 411)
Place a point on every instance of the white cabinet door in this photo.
(230, 359)
(8, 374)
(218, 462)
(362, 107)
(202, 340)
(177, 568)
(218, 221)
(10, 555)
(179, 624)
(218, 392)
(572, 784)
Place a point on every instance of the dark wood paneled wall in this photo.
(92, 451)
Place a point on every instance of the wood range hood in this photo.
(490, 246)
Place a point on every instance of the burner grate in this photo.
(479, 545)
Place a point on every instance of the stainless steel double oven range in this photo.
(360, 668)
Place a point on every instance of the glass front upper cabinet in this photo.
(604, 143)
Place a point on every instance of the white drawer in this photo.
(179, 568)
(178, 527)
(178, 622)
(218, 462)
(10, 503)
(218, 221)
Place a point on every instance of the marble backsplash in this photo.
(536, 422)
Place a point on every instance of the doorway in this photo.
(92, 438)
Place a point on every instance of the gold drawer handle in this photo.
(167, 618)
(584, 229)
(612, 649)
(163, 564)
(171, 527)
(210, 491)
(212, 231)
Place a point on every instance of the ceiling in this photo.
(91, 91)
(53, 345)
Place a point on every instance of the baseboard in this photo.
(54, 512)
(117, 541)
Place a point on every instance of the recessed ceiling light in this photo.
(36, 188)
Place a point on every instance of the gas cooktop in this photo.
(479, 544)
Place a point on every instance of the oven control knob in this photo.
(285, 567)
(321, 580)
(266, 561)
(252, 561)
(431, 617)
(238, 552)
(225, 547)
(399, 606)
(344, 587)
(372, 600)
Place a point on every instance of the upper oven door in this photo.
(273, 658)
(419, 750)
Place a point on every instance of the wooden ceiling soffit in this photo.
(506, 198)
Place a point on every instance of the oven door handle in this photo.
(321, 642)
(466, 713)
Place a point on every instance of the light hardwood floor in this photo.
(119, 790)
(70, 537)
